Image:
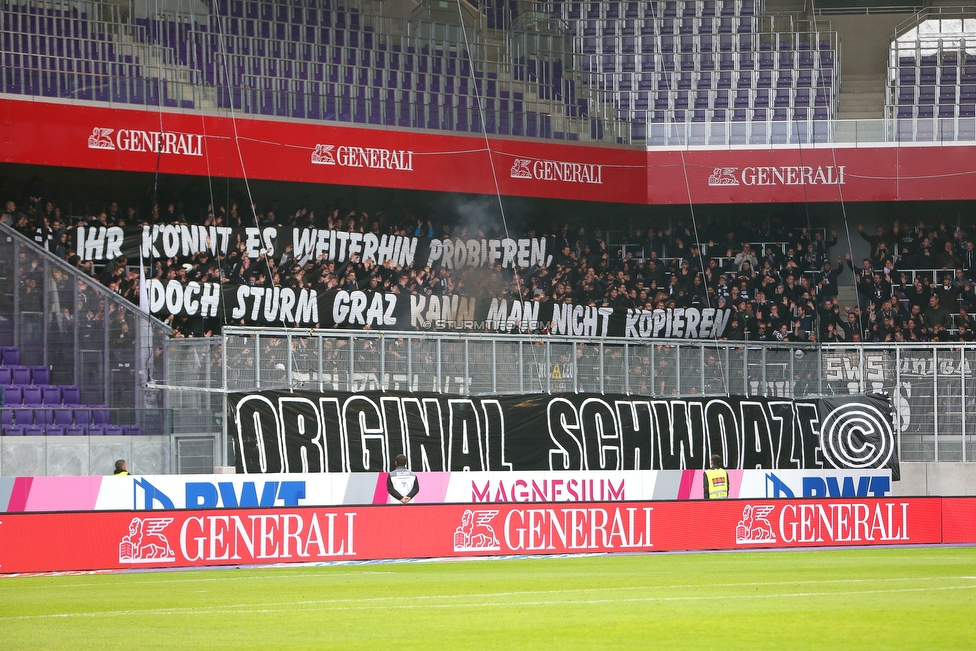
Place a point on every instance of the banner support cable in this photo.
(410, 382)
(962, 398)
(575, 366)
(494, 366)
(935, 398)
(467, 378)
(521, 365)
(897, 392)
(291, 361)
(318, 347)
(627, 369)
(440, 364)
(602, 389)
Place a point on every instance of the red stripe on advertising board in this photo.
(959, 520)
(116, 540)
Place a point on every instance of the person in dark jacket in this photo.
(402, 484)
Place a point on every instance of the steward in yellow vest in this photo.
(716, 480)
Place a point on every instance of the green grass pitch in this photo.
(897, 598)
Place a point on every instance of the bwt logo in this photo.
(223, 494)
(832, 487)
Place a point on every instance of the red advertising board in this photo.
(115, 540)
(95, 137)
(959, 520)
(300, 150)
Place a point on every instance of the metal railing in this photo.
(86, 334)
(932, 387)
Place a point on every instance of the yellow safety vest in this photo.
(718, 483)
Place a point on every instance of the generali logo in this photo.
(368, 157)
(827, 521)
(784, 175)
(555, 170)
(154, 142)
(146, 542)
(754, 527)
(475, 532)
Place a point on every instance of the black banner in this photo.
(267, 306)
(102, 244)
(278, 431)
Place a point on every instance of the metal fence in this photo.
(932, 387)
(86, 334)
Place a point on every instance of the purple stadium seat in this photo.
(6, 377)
(6, 417)
(13, 395)
(71, 395)
(101, 416)
(82, 416)
(23, 416)
(44, 417)
(40, 375)
(10, 355)
(51, 394)
(76, 430)
(63, 417)
(13, 430)
(32, 395)
(132, 430)
(54, 430)
(96, 430)
(21, 375)
(33, 430)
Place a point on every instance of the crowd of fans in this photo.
(781, 280)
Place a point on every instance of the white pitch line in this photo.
(376, 603)
(248, 577)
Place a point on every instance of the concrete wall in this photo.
(946, 479)
(32, 456)
(864, 41)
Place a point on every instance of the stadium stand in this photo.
(932, 77)
(32, 407)
(689, 72)
(781, 279)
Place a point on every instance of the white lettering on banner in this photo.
(172, 240)
(271, 536)
(578, 529)
(313, 243)
(456, 312)
(679, 323)
(154, 142)
(368, 157)
(359, 308)
(99, 243)
(553, 170)
(884, 371)
(170, 297)
(547, 490)
(280, 304)
(783, 175)
(522, 253)
(579, 320)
